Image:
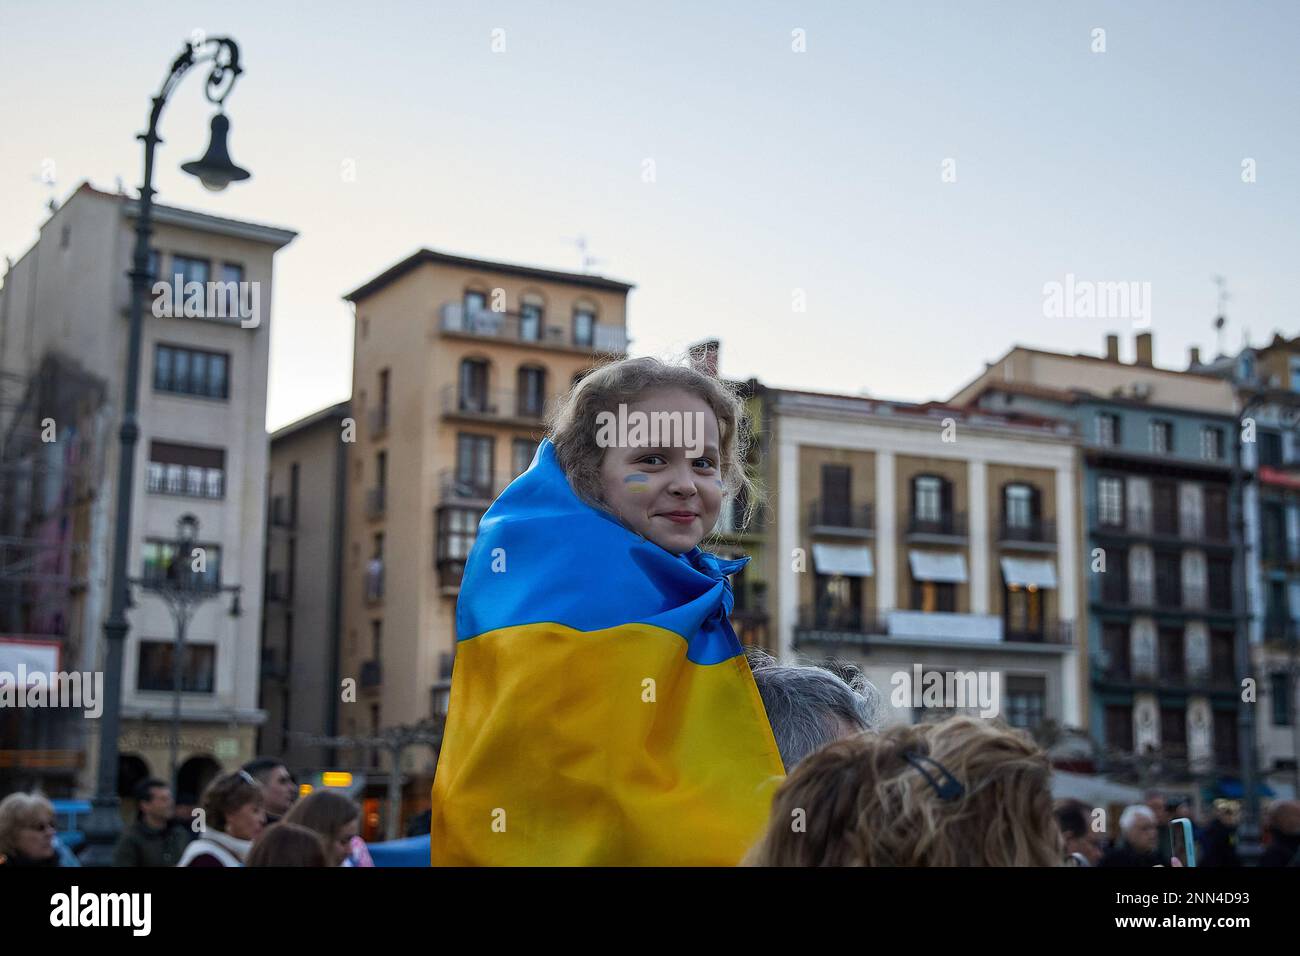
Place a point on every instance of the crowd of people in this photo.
(958, 792)
(251, 817)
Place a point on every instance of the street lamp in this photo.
(215, 169)
(183, 589)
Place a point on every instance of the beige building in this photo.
(202, 451)
(922, 538)
(456, 363)
(306, 496)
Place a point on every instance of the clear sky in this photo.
(774, 170)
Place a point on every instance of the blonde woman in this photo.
(963, 792)
(27, 831)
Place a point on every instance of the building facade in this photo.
(202, 451)
(1160, 552)
(302, 613)
(922, 539)
(457, 362)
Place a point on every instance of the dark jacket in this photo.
(16, 860)
(142, 845)
(1124, 855)
(1281, 850)
(1219, 845)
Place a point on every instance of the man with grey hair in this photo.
(1139, 840)
(809, 706)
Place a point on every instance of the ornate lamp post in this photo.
(183, 588)
(215, 170)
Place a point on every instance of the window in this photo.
(1110, 502)
(1280, 692)
(1269, 450)
(1225, 739)
(1019, 507)
(1223, 665)
(1023, 613)
(1119, 728)
(836, 501)
(1115, 642)
(474, 465)
(1212, 443)
(1173, 731)
(1114, 581)
(160, 562)
(1216, 513)
(584, 326)
(839, 601)
(1108, 429)
(530, 320)
(1169, 579)
(1219, 581)
(1164, 501)
(933, 596)
(1026, 702)
(191, 372)
(475, 304)
(190, 269)
(930, 497)
(1273, 530)
(1171, 663)
(1162, 437)
(521, 455)
(155, 671)
(232, 272)
(185, 470)
(532, 392)
(458, 529)
(473, 385)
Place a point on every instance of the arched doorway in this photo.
(193, 777)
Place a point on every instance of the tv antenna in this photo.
(588, 260)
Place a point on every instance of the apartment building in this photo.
(457, 361)
(302, 614)
(202, 452)
(923, 539)
(1157, 458)
(1271, 505)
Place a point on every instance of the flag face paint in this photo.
(602, 711)
(637, 483)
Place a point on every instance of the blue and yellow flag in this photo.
(602, 711)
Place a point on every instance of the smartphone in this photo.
(1182, 845)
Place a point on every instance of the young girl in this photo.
(602, 711)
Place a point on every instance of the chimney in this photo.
(1194, 357)
(1112, 348)
(704, 357)
(1143, 343)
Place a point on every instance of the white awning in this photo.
(1029, 572)
(851, 559)
(937, 565)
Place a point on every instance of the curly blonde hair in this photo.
(863, 803)
(572, 426)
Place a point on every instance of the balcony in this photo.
(1036, 535)
(508, 326)
(376, 502)
(841, 521)
(455, 488)
(371, 675)
(1048, 632)
(944, 529)
(1147, 675)
(1162, 524)
(378, 421)
(1280, 629)
(450, 572)
(836, 626)
(495, 405)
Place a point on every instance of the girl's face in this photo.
(341, 845)
(664, 493)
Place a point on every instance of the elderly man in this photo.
(809, 706)
(1139, 840)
